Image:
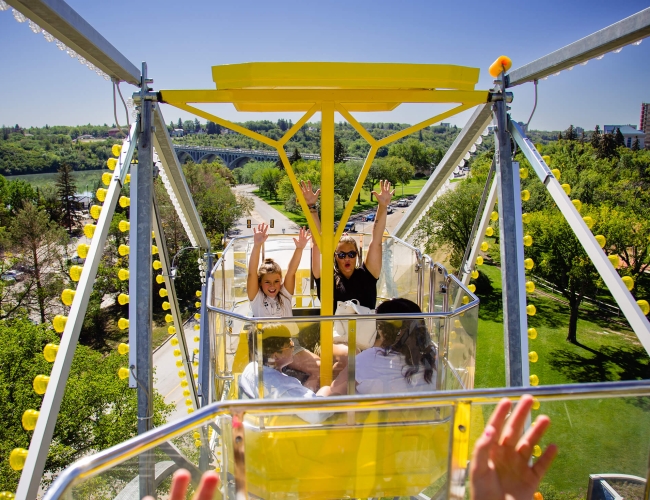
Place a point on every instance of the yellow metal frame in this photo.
(330, 88)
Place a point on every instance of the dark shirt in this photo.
(362, 285)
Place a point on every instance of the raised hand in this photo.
(260, 234)
(303, 238)
(181, 480)
(311, 197)
(385, 194)
(499, 467)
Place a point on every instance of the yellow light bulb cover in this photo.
(547, 160)
(479, 261)
(196, 339)
(529, 264)
(95, 211)
(528, 240)
(181, 373)
(123, 274)
(531, 310)
(614, 260)
(195, 350)
(601, 240)
(174, 341)
(588, 221)
(177, 352)
(123, 348)
(184, 383)
(29, 419)
(186, 393)
(40, 384)
(536, 404)
(122, 323)
(123, 373)
(556, 172)
(159, 279)
(465, 299)
(190, 410)
(533, 357)
(123, 250)
(157, 265)
(106, 178)
(197, 328)
(123, 299)
(577, 204)
(628, 282)
(474, 274)
(171, 330)
(17, 458)
(197, 304)
(124, 201)
(534, 380)
(49, 352)
(644, 306)
(530, 286)
(124, 226)
(116, 149)
(154, 249)
(89, 230)
(127, 179)
(169, 318)
(166, 306)
(532, 333)
(489, 231)
(494, 216)
(111, 163)
(198, 293)
(567, 189)
(197, 316)
(501, 65)
(101, 194)
(523, 173)
(163, 292)
(471, 288)
(525, 195)
(67, 296)
(526, 218)
(484, 246)
(82, 250)
(179, 363)
(59, 322)
(537, 450)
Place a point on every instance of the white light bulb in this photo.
(569, 69)
(18, 16)
(129, 103)
(473, 148)
(90, 66)
(545, 78)
(34, 27)
(71, 52)
(3, 5)
(467, 156)
(486, 131)
(617, 50)
(81, 59)
(479, 140)
(48, 37)
(638, 42)
(600, 56)
(584, 63)
(462, 163)
(60, 45)
(557, 74)
(106, 77)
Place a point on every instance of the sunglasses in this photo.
(343, 255)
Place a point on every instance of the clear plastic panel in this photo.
(373, 448)
(399, 272)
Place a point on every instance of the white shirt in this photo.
(263, 306)
(277, 385)
(377, 373)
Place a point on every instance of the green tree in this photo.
(595, 137)
(607, 147)
(448, 223)
(402, 170)
(39, 242)
(414, 152)
(268, 179)
(618, 138)
(635, 145)
(570, 134)
(295, 156)
(66, 190)
(560, 259)
(339, 151)
(98, 409)
(18, 194)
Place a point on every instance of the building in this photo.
(629, 132)
(644, 123)
(177, 132)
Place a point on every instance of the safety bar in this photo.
(92, 465)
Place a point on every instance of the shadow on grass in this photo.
(605, 365)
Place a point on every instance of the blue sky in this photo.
(182, 40)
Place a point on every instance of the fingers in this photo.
(498, 417)
(482, 450)
(514, 428)
(533, 436)
(544, 461)
(208, 486)
(180, 482)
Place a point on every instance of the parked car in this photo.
(350, 227)
(390, 209)
(403, 202)
(370, 217)
(9, 276)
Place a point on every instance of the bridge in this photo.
(232, 157)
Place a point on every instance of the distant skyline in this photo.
(182, 40)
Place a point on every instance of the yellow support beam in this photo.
(327, 240)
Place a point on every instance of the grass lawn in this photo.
(594, 436)
(414, 187)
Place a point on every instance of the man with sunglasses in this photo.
(352, 281)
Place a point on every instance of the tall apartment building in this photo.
(645, 122)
